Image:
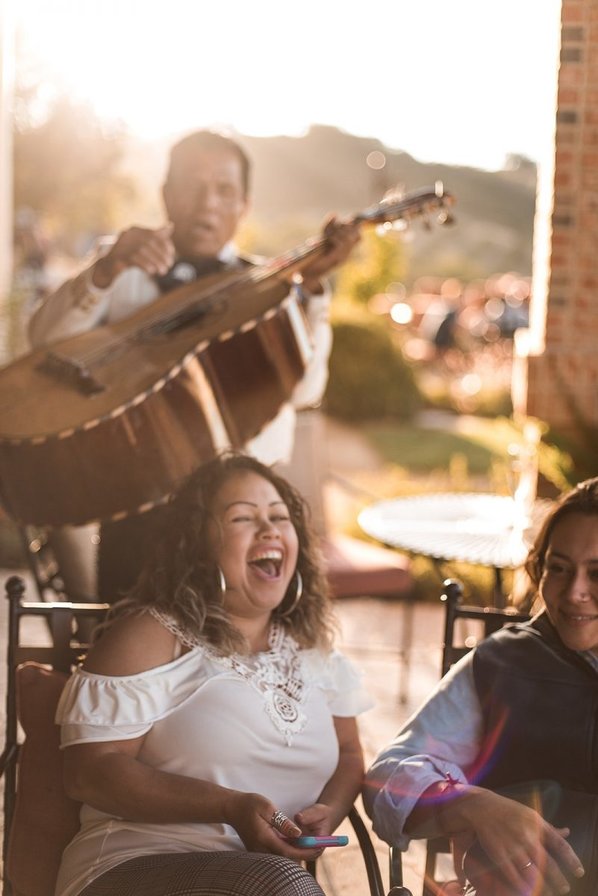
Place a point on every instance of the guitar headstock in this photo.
(424, 203)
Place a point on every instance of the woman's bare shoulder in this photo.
(131, 645)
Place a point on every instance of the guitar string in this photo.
(160, 321)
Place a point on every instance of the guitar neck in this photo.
(292, 261)
(419, 203)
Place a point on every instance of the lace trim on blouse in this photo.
(277, 674)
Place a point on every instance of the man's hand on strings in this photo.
(341, 238)
(151, 250)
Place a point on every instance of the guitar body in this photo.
(159, 406)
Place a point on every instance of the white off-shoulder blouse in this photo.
(263, 724)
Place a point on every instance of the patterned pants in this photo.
(206, 874)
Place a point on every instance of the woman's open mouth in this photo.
(268, 562)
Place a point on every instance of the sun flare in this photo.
(414, 75)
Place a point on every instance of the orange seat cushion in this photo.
(356, 568)
(44, 819)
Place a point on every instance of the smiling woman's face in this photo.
(569, 583)
(254, 543)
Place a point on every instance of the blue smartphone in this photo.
(315, 842)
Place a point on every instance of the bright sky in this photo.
(454, 81)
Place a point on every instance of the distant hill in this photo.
(304, 178)
(298, 180)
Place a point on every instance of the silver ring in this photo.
(527, 865)
(279, 820)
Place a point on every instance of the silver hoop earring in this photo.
(286, 613)
(221, 583)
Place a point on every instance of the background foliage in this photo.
(369, 378)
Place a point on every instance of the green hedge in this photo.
(369, 378)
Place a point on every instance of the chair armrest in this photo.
(368, 852)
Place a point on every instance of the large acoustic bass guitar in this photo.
(109, 422)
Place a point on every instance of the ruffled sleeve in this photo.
(97, 708)
(342, 683)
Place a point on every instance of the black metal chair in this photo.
(42, 562)
(39, 819)
(487, 620)
(37, 665)
(456, 644)
(61, 561)
(375, 882)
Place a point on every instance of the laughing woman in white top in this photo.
(213, 706)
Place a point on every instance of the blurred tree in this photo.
(378, 261)
(369, 377)
(67, 167)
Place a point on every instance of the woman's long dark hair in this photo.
(180, 577)
(581, 499)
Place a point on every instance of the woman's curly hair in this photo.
(583, 498)
(181, 578)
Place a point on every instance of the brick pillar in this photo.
(556, 366)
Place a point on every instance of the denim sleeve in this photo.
(442, 737)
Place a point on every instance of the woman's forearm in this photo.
(445, 809)
(343, 787)
(122, 786)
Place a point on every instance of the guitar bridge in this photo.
(68, 371)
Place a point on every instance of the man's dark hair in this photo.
(204, 139)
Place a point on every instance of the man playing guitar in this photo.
(205, 195)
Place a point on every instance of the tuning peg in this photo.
(446, 218)
(394, 194)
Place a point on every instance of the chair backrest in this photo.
(39, 819)
(486, 621)
(62, 561)
(42, 562)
